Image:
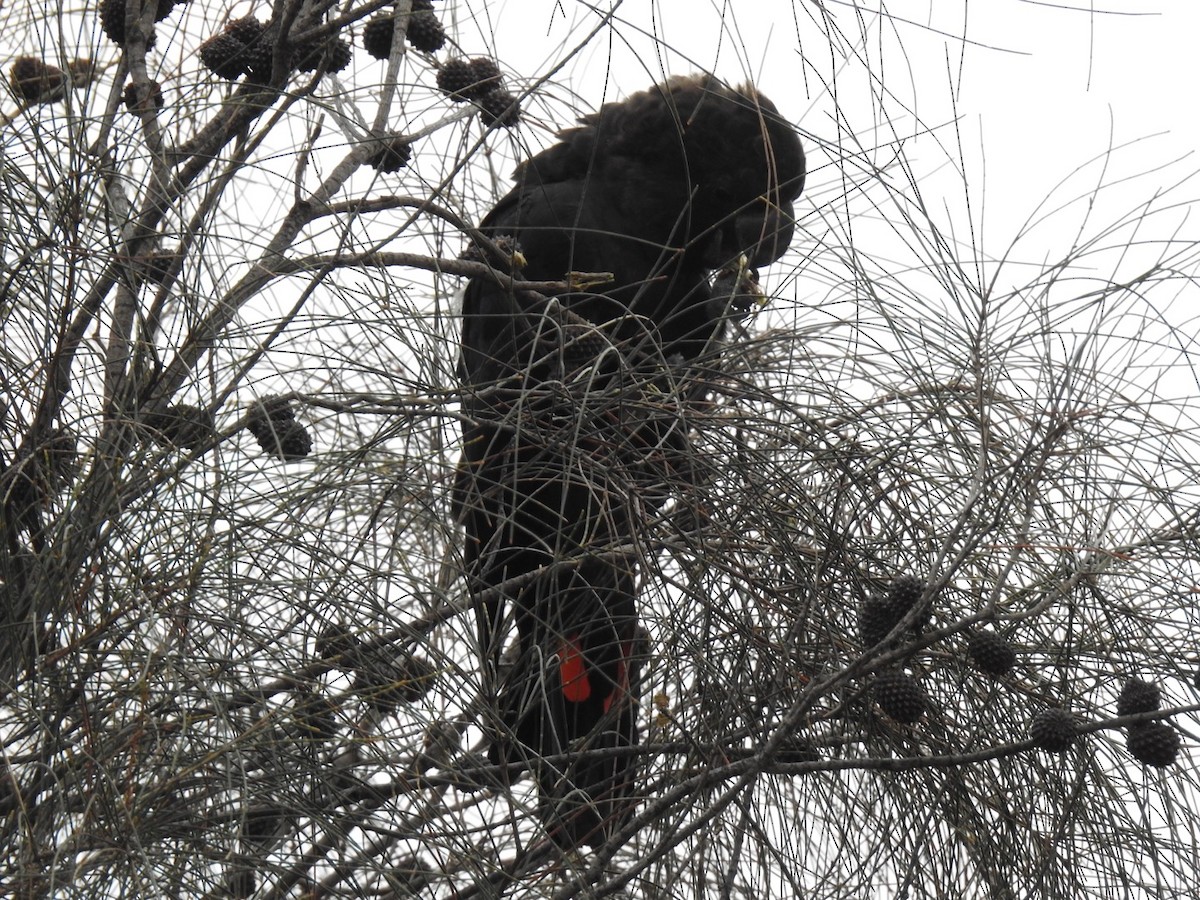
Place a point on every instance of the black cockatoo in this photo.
(670, 191)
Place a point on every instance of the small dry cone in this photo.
(1154, 744)
(35, 81)
(1053, 730)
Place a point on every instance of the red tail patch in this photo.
(572, 671)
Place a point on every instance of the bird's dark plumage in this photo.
(572, 426)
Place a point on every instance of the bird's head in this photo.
(737, 165)
(748, 167)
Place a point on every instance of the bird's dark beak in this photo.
(765, 233)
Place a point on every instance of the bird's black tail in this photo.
(569, 702)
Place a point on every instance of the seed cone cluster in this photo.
(880, 613)
(181, 425)
(247, 46)
(35, 81)
(479, 81)
(154, 97)
(875, 619)
(991, 653)
(424, 31)
(112, 19)
(334, 55)
(1154, 743)
(242, 48)
(393, 154)
(274, 426)
(337, 643)
(1053, 730)
(1138, 696)
(315, 716)
(900, 696)
(464, 79)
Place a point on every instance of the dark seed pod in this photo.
(905, 591)
(1138, 696)
(377, 36)
(337, 56)
(499, 107)
(905, 594)
(241, 48)
(269, 412)
(876, 617)
(285, 440)
(376, 676)
(463, 79)
(334, 55)
(392, 155)
(1153, 743)
(486, 74)
(258, 60)
(991, 653)
(455, 79)
(307, 57)
(181, 425)
(165, 7)
(224, 56)
(425, 32)
(441, 742)
(274, 426)
(1053, 730)
(154, 96)
(900, 696)
(112, 20)
(35, 81)
(477, 773)
(247, 30)
(420, 677)
(257, 54)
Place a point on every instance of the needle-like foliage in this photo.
(937, 483)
